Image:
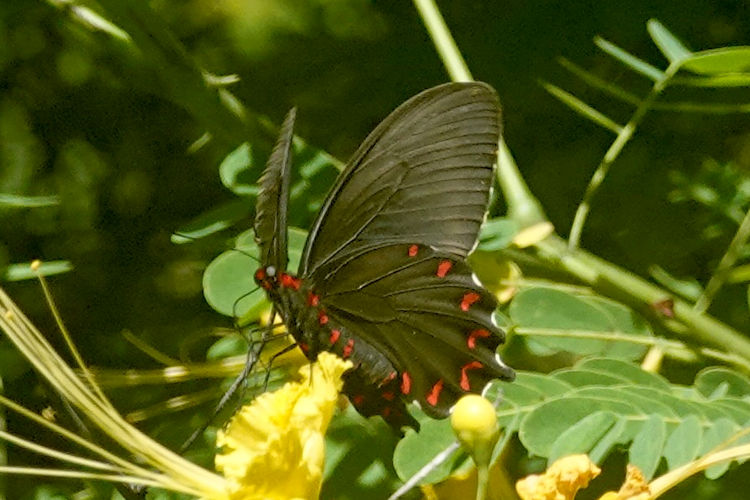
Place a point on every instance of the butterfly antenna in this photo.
(176, 235)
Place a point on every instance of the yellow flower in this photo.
(635, 487)
(274, 447)
(562, 480)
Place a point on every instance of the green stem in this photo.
(725, 265)
(626, 133)
(483, 476)
(639, 293)
(523, 207)
(443, 40)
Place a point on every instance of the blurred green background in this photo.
(80, 120)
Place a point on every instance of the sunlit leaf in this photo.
(629, 60)
(23, 271)
(669, 45)
(582, 108)
(14, 200)
(234, 171)
(213, 221)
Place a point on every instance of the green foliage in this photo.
(577, 324)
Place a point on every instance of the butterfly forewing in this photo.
(271, 205)
(423, 175)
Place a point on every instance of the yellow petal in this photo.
(274, 447)
(562, 480)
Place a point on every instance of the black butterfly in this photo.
(383, 279)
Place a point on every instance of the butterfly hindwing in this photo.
(426, 315)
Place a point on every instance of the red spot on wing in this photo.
(335, 334)
(348, 348)
(305, 348)
(468, 299)
(471, 341)
(472, 365)
(434, 394)
(386, 412)
(388, 395)
(322, 318)
(260, 274)
(413, 250)
(289, 281)
(443, 268)
(358, 400)
(312, 300)
(405, 383)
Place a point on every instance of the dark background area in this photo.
(77, 122)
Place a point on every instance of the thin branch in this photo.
(612, 153)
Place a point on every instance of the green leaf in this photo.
(419, 448)
(668, 44)
(358, 461)
(626, 371)
(582, 108)
(646, 450)
(718, 382)
(582, 436)
(18, 201)
(497, 233)
(689, 289)
(718, 434)
(629, 60)
(684, 443)
(556, 320)
(229, 287)
(541, 428)
(213, 221)
(231, 345)
(720, 61)
(234, 171)
(22, 271)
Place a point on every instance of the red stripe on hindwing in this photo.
(469, 299)
(481, 333)
(434, 394)
(472, 365)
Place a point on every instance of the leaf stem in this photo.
(523, 207)
(719, 277)
(443, 40)
(631, 289)
(626, 133)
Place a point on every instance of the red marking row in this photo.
(289, 281)
(413, 249)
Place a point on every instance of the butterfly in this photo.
(383, 279)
